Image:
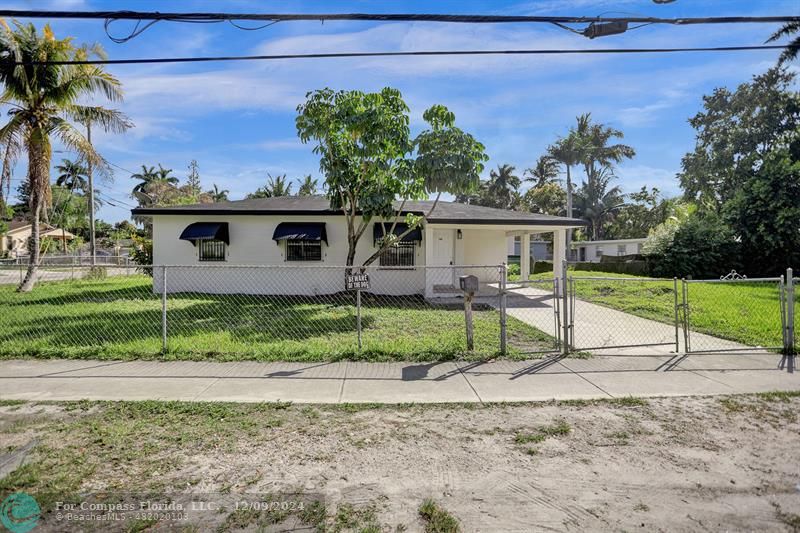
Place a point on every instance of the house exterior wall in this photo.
(540, 250)
(595, 249)
(251, 244)
(16, 241)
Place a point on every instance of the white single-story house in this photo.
(14, 242)
(301, 235)
(593, 251)
(539, 250)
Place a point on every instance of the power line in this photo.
(422, 53)
(381, 17)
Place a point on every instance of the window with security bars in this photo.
(401, 254)
(211, 250)
(301, 250)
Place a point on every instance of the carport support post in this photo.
(164, 309)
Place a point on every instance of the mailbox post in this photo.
(468, 284)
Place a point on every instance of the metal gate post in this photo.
(565, 307)
(164, 309)
(686, 343)
(675, 291)
(790, 310)
(503, 310)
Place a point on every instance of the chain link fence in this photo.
(269, 312)
(230, 312)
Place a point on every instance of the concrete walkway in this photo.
(597, 327)
(351, 382)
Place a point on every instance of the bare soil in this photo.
(678, 464)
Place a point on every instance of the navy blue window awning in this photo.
(300, 231)
(199, 231)
(382, 228)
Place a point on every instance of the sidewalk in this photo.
(351, 382)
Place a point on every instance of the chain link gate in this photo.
(535, 304)
(735, 314)
(604, 313)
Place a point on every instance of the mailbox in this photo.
(468, 283)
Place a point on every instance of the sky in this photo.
(237, 118)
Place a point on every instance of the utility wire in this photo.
(380, 17)
(404, 54)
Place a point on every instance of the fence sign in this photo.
(357, 282)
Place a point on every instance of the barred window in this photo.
(210, 250)
(401, 254)
(302, 250)
(598, 251)
(621, 249)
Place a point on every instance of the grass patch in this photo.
(542, 433)
(437, 519)
(745, 312)
(120, 318)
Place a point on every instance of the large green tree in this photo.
(735, 132)
(764, 213)
(370, 160)
(46, 99)
(642, 212)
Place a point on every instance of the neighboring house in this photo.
(296, 232)
(14, 242)
(593, 251)
(539, 250)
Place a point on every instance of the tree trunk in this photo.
(33, 252)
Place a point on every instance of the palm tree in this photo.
(149, 176)
(73, 175)
(789, 54)
(44, 97)
(277, 186)
(597, 204)
(308, 187)
(545, 171)
(502, 186)
(218, 195)
(569, 152)
(146, 176)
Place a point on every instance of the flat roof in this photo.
(444, 213)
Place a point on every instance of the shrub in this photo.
(513, 270)
(632, 268)
(142, 254)
(702, 247)
(96, 273)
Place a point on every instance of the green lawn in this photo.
(120, 318)
(745, 312)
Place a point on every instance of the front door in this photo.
(443, 255)
(442, 247)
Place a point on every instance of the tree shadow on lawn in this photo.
(112, 322)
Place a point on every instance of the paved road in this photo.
(596, 326)
(11, 275)
(350, 382)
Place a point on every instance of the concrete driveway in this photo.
(603, 330)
